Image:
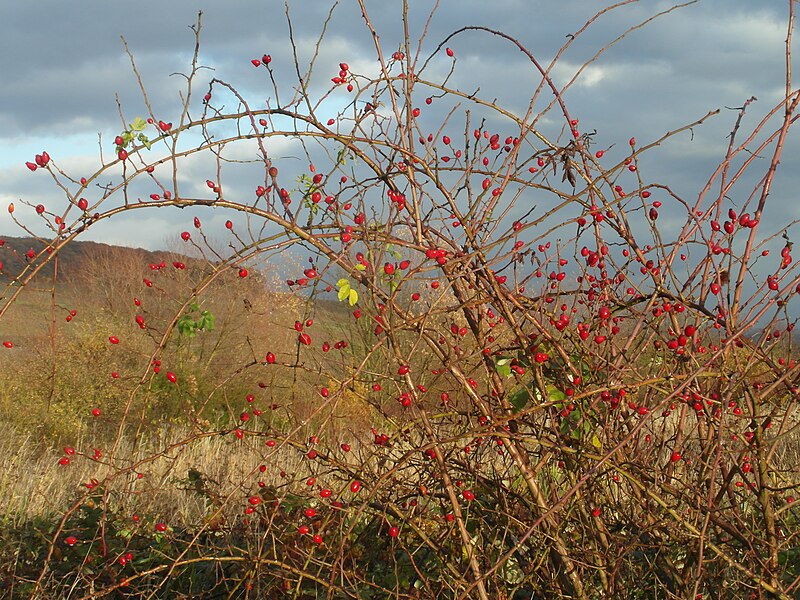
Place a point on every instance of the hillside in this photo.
(73, 258)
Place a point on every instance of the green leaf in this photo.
(189, 326)
(519, 399)
(342, 282)
(206, 321)
(186, 326)
(577, 426)
(344, 292)
(554, 394)
(568, 425)
(353, 297)
(138, 124)
(511, 572)
(360, 267)
(503, 365)
(596, 442)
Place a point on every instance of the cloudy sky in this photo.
(63, 65)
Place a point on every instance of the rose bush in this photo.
(493, 372)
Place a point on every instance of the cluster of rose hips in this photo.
(41, 160)
(265, 60)
(344, 77)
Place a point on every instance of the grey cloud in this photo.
(63, 63)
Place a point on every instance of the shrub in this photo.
(499, 374)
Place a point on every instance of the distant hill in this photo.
(72, 258)
(94, 271)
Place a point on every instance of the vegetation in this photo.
(491, 371)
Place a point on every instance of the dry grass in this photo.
(33, 485)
